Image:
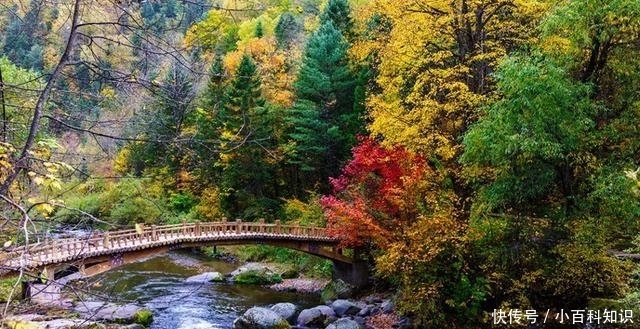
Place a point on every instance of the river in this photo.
(158, 284)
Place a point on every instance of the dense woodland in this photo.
(482, 154)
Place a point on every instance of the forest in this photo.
(482, 154)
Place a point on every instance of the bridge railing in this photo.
(109, 240)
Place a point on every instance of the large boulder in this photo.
(110, 312)
(343, 307)
(260, 267)
(316, 317)
(206, 277)
(260, 318)
(344, 323)
(336, 289)
(255, 273)
(387, 306)
(285, 310)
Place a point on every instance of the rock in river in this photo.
(260, 318)
(343, 307)
(111, 312)
(316, 317)
(344, 323)
(206, 277)
(285, 310)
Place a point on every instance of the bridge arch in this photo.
(102, 252)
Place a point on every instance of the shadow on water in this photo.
(158, 284)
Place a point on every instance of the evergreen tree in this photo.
(24, 37)
(247, 177)
(287, 29)
(164, 123)
(322, 123)
(209, 122)
(259, 32)
(170, 9)
(338, 12)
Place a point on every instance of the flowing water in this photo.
(158, 284)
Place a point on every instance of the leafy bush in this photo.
(310, 265)
(181, 202)
(304, 213)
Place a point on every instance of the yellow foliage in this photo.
(209, 207)
(434, 74)
(121, 160)
(276, 76)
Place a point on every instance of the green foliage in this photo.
(303, 263)
(287, 29)
(244, 122)
(259, 32)
(7, 291)
(23, 41)
(322, 127)
(164, 122)
(182, 203)
(304, 213)
(339, 13)
(535, 138)
(257, 277)
(126, 202)
(19, 99)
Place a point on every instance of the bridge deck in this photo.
(37, 255)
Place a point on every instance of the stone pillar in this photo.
(356, 274)
(48, 273)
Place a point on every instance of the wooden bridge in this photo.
(103, 251)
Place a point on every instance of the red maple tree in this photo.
(379, 193)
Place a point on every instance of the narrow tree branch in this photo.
(20, 164)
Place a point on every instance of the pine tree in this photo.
(322, 123)
(23, 40)
(338, 12)
(246, 179)
(259, 32)
(164, 123)
(287, 29)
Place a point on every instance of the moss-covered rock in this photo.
(336, 289)
(143, 317)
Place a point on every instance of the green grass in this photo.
(303, 263)
(257, 277)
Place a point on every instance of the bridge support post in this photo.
(47, 274)
(356, 274)
(154, 233)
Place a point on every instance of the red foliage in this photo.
(376, 194)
